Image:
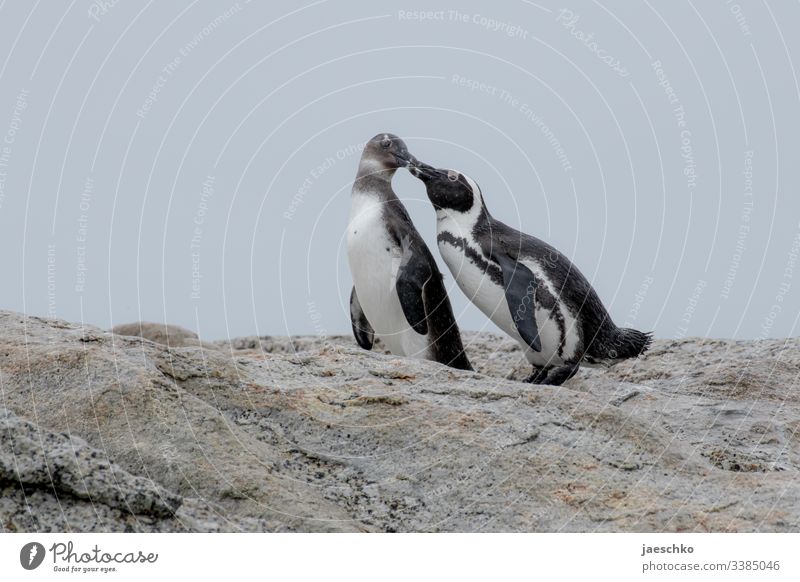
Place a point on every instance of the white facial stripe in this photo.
(464, 221)
(473, 185)
(476, 191)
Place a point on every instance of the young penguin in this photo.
(398, 294)
(525, 286)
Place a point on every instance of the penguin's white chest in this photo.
(479, 288)
(375, 260)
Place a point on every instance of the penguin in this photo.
(398, 292)
(528, 288)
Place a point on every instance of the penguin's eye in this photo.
(452, 176)
(386, 144)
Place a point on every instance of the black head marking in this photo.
(447, 189)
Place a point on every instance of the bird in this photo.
(398, 291)
(529, 289)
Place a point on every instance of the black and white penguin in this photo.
(398, 293)
(525, 286)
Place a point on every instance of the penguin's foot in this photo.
(558, 376)
(538, 375)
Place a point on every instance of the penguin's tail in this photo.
(628, 343)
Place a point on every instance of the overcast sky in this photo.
(192, 162)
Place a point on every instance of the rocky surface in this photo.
(110, 432)
(168, 335)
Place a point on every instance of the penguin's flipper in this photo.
(362, 330)
(520, 285)
(412, 276)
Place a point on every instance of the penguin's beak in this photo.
(422, 171)
(405, 160)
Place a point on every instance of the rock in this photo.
(315, 434)
(169, 335)
(44, 473)
(67, 465)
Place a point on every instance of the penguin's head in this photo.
(387, 152)
(447, 189)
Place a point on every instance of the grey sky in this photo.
(191, 163)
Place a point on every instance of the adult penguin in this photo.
(530, 290)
